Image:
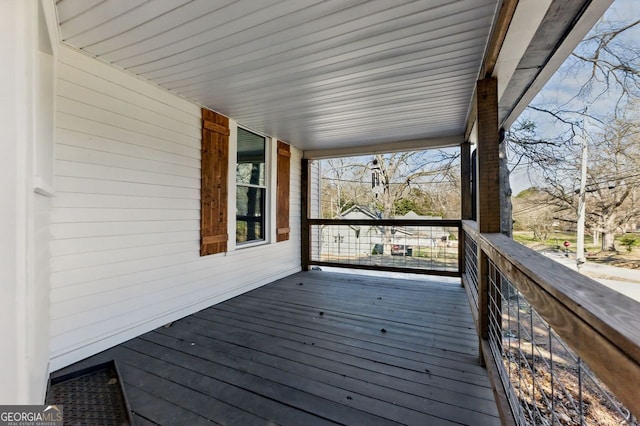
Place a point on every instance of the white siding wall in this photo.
(125, 221)
(315, 193)
(315, 210)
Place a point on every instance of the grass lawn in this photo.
(621, 258)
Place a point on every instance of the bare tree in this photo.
(442, 196)
(400, 172)
(613, 176)
(393, 176)
(428, 180)
(608, 61)
(532, 212)
(341, 185)
(610, 55)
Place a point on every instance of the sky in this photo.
(567, 81)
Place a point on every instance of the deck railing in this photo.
(417, 246)
(560, 348)
(470, 270)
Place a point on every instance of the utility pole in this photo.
(581, 202)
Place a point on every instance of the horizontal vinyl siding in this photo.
(314, 190)
(125, 219)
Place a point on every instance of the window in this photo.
(252, 175)
(251, 187)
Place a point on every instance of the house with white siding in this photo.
(353, 240)
(358, 240)
(159, 156)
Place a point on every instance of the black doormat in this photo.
(91, 396)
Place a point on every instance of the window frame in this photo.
(267, 187)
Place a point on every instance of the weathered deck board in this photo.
(309, 349)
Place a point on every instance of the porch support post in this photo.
(305, 231)
(465, 201)
(465, 180)
(488, 201)
(27, 111)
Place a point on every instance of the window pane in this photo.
(250, 167)
(249, 214)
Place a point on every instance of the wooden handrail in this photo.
(453, 223)
(601, 325)
(471, 228)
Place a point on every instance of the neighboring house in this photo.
(352, 240)
(364, 240)
(425, 236)
(410, 215)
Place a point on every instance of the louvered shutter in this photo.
(282, 196)
(213, 190)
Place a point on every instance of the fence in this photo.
(418, 246)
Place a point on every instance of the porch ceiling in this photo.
(319, 74)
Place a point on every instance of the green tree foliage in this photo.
(629, 241)
(404, 206)
(423, 203)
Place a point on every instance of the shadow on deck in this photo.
(314, 348)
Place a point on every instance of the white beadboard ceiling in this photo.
(321, 74)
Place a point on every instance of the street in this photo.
(623, 280)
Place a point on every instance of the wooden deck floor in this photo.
(313, 348)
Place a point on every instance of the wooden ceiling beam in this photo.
(496, 39)
(382, 148)
(498, 34)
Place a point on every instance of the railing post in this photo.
(460, 252)
(305, 231)
(465, 181)
(488, 193)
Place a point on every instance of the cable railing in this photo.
(548, 382)
(414, 246)
(470, 273)
(561, 349)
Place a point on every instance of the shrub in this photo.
(629, 241)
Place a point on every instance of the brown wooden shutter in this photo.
(213, 190)
(282, 197)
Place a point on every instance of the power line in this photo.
(391, 183)
(616, 178)
(530, 209)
